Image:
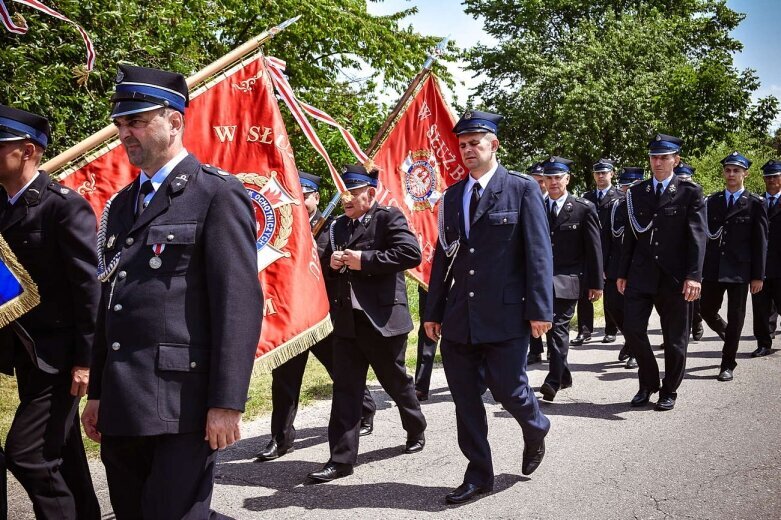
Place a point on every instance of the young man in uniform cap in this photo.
(535, 344)
(370, 248)
(661, 266)
(577, 265)
(180, 311)
(286, 379)
(51, 230)
(734, 257)
(612, 239)
(601, 197)
(766, 301)
(490, 289)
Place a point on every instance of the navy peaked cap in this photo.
(770, 168)
(684, 169)
(663, 144)
(604, 165)
(309, 182)
(475, 121)
(357, 176)
(736, 159)
(17, 125)
(556, 165)
(630, 174)
(140, 89)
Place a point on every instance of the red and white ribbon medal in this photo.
(156, 262)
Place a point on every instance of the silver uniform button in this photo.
(115, 346)
(122, 275)
(471, 294)
(471, 249)
(118, 307)
(472, 271)
(193, 364)
(129, 241)
(170, 237)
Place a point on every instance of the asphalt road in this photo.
(717, 455)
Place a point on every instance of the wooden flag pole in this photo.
(423, 74)
(101, 136)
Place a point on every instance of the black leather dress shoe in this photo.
(532, 456)
(366, 428)
(665, 404)
(725, 375)
(697, 331)
(272, 451)
(548, 392)
(608, 338)
(623, 354)
(331, 471)
(642, 397)
(760, 352)
(421, 395)
(464, 493)
(580, 339)
(415, 445)
(630, 363)
(534, 359)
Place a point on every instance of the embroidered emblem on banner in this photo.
(420, 180)
(425, 112)
(273, 206)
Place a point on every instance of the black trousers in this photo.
(586, 316)
(160, 477)
(504, 367)
(764, 304)
(711, 298)
(286, 390)
(559, 375)
(352, 359)
(614, 304)
(44, 450)
(675, 313)
(427, 349)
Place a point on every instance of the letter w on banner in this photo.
(234, 122)
(418, 158)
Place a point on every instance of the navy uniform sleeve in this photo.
(539, 256)
(593, 254)
(437, 292)
(76, 238)
(628, 244)
(235, 296)
(402, 250)
(759, 232)
(697, 240)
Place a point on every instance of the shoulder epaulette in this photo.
(59, 189)
(519, 174)
(756, 197)
(208, 168)
(583, 201)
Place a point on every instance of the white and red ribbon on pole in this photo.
(35, 4)
(300, 110)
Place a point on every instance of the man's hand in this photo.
(691, 290)
(594, 295)
(433, 330)
(756, 286)
(352, 259)
(79, 381)
(621, 285)
(337, 261)
(223, 427)
(89, 419)
(539, 328)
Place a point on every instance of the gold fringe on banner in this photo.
(293, 347)
(15, 308)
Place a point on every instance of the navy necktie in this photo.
(731, 201)
(146, 189)
(474, 201)
(599, 197)
(659, 189)
(771, 202)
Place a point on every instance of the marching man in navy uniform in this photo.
(51, 230)
(734, 257)
(286, 379)
(613, 240)
(661, 266)
(490, 289)
(369, 249)
(180, 311)
(602, 197)
(768, 299)
(535, 344)
(577, 263)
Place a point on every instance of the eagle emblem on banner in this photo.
(273, 206)
(420, 180)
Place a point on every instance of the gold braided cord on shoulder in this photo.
(16, 307)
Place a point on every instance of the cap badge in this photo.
(120, 76)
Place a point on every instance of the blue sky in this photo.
(757, 33)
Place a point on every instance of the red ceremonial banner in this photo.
(234, 122)
(418, 159)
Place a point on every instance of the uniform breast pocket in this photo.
(502, 224)
(174, 244)
(571, 226)
(743, 220)
(27, 240)
(183, 380)
(672, 211)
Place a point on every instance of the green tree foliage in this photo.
(597, 78)
(332, 52)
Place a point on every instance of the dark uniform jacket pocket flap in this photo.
(385, 298)
(26, 239)
(183, 233)
(670, 211)
(181, 358)
(503, 217)
(743, 220)
(570, 226)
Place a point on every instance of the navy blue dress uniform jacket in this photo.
(175, 341)
(675, 243)
(388, 248)
(51, 230)
(603, 209)
(738, 255)
(612, 244)
(773, 265)
(577, 250)
(488, 295)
